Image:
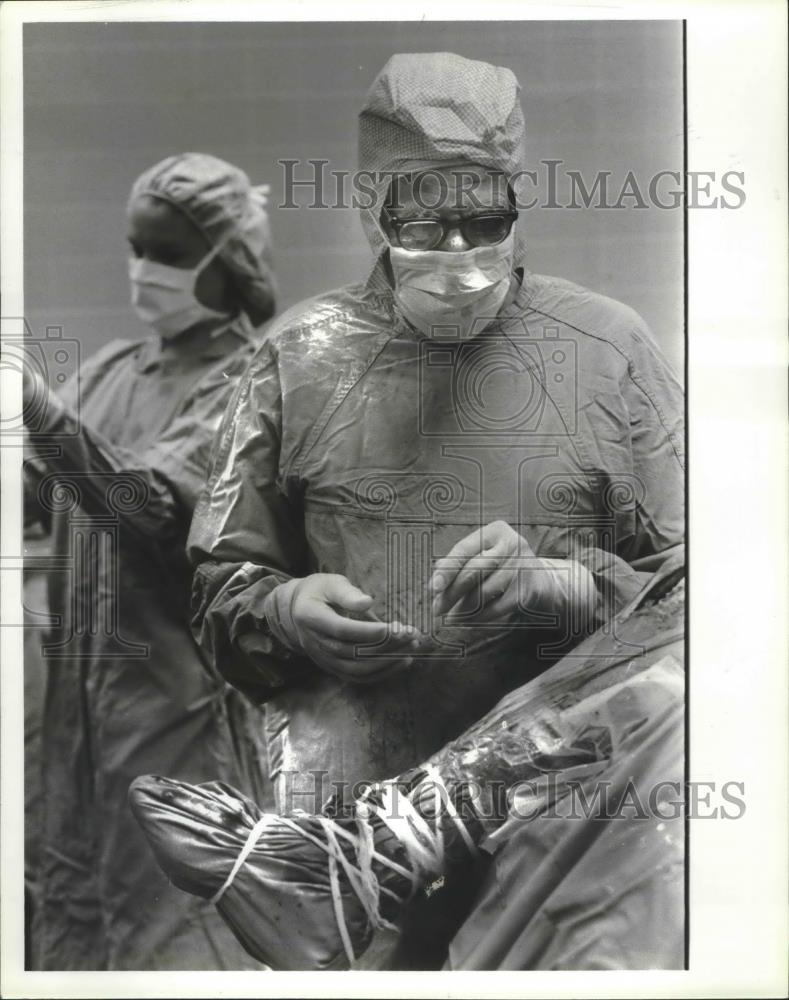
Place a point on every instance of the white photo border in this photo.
(736, 380)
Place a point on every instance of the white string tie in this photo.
(252, 839)
(424, 848)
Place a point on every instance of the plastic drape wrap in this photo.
(558, 783)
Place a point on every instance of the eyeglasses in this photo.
(477, 230)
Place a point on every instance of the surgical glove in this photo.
(493, 576)
(310, 616)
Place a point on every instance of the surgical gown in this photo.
(356, 446)
(127, 690)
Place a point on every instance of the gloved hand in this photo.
(40, 406)
(306, 616)
(493, 576)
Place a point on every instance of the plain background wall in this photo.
(105, 101)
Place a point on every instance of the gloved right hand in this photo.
(306, 616)
(39, 404)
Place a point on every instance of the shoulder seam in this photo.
(631, 372)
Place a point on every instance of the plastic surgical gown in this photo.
(355, 446)
(127, 689)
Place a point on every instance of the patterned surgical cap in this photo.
(438, 109)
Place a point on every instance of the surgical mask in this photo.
(164, 296)
(437, 288)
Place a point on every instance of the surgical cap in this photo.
(219, 199)
(438, 109)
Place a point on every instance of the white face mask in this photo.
(164, 297)
(440, 288)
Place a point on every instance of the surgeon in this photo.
(127, 689)
(431, 483)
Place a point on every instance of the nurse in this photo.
(127, 689)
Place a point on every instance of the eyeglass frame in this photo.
(397, 224)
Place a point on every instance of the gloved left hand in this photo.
(493, 576)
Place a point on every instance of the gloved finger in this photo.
(510, 607)
(500, 582)
(402, 638)
(408, 641)
(469, 578)
(502, 608)
(448, 566)
(393, 643)
(323, 646)
(464, 611)
(499, 589)
(494, 539)
(321, 619)
(340, 592)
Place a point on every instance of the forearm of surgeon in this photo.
(265, 631)
(154, 512)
